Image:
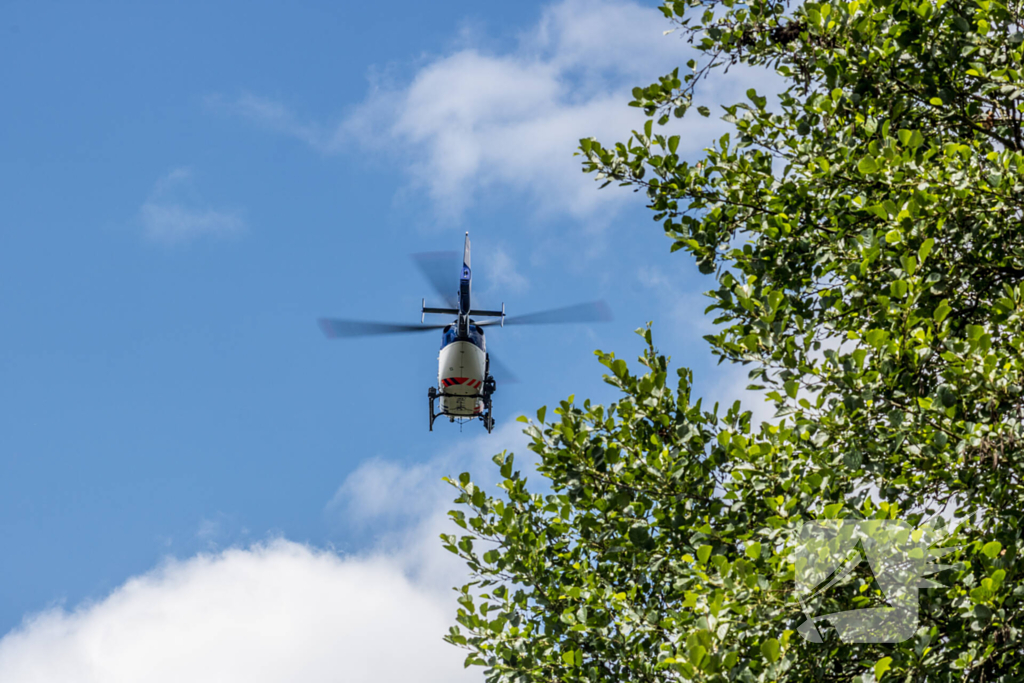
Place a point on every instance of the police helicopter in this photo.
(465, 383)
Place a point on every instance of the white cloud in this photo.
(273, 116)
(731, 382)
(209, 530)
(382, 491)
(271, 613)
(407, 506)
(682, 306)
(173, 213)
(474, 121)
(503, 274)
(280, 611)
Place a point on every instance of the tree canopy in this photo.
(864, 232)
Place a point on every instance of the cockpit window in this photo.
(476, 336)
(450, 335)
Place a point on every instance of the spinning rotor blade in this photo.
(591, 312)
(500, 371)
(442, 269)
(334, 328)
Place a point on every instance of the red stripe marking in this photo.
(474, 383)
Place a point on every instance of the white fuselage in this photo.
(461, 370)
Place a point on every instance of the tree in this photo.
(864, 230)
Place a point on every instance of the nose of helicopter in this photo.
(462, 367)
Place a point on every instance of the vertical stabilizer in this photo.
(465, 280)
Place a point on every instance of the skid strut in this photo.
(432, 394)
(487, 417)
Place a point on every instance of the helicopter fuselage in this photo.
(462, 371)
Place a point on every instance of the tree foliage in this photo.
(864, 229)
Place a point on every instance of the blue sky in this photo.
(187, 187)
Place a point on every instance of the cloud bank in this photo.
(280, 611)
(478, 122)
(277, 612)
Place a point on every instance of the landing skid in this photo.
(487, 417)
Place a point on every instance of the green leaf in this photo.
(991, 549)
(867, 165)
(753, 550)
(832, 510)
(980, 593)
(541, 413)
(941, 311)
(925, 249)
(673, 144)
(703, 553)
(770, 650)
(881, 666)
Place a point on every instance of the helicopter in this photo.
(465, 383)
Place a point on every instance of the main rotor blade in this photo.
(591, 312)
(500, 371)
(335, 328)
(442, 269)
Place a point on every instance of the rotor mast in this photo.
(465, 285)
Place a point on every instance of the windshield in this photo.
(476, 336)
